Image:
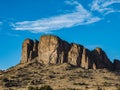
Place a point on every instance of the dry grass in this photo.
(59, 77)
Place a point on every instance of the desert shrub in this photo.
(10, 89)
(106, 84)
(32, 88)
(99, 88)
(79, 83)
(108, 78)
(46, 87)
(5, 80)
(118, 87)
(71, 89)
(51, 76)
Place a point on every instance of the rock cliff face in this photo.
(75, 54)
(53, 50)
(100, 59)
(116, 64)
(29, 50)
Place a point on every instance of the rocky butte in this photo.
(61, 65)
(52, 50)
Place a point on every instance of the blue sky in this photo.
(92, 23)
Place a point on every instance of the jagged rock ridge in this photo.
(53, 50)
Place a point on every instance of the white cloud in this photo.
(103, 6)
(80, 16)
(71, 2)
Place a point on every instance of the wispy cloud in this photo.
(103, 6)
(80, 16)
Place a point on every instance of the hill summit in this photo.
(53, 50)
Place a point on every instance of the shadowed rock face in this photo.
(53, 50)
(100, 59)
(35, 49)
(116, 64)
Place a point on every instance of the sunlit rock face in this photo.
(29, 50)
(52, 50)
(75, 54)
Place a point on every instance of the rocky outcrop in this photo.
(53, 50)
(80, 56)
(116, 64)
(86, 60)
(100, 59)
(75, 54)
(29, 50)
